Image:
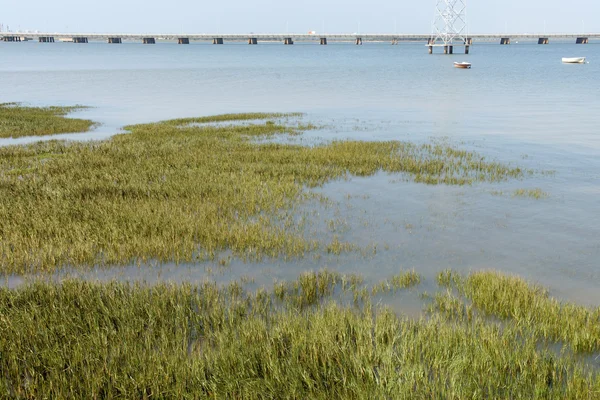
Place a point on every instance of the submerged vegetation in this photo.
(300, 340)
(186, 189)
(17, 121)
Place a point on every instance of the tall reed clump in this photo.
(186, 189)
(17, 121)
(117, 340)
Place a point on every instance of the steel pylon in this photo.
(450, 23)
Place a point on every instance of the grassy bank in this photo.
(299, 340)
(17, 121)
(184, 190)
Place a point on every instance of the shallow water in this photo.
(518, 104)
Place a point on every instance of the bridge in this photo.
(289, 39)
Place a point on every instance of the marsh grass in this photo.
(536, 193)
(403, 280)
(185, 190)
(17, 121)
(117, 340)
(529, 307)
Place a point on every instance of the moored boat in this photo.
(573, 60)
(464, 65)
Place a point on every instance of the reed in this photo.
(17, 120)
(117, 340)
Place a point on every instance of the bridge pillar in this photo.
(358, 41)
(445, 49)
(505, 40)
(253, 40)
(394, 41)
(467, 49)
(468, 41)
(149, 40)
(115, 40)
(543, 40)
(323, 41)
(46, 39)
(288, 40)
(451, 49)
(218, 40)
(430, 49)
(12, 38)
(183, 40)
(80, 39)
(582, 40)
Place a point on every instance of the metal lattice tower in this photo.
(450, 24)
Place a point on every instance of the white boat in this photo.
(463, 64)
(573, 60)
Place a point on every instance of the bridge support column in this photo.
(11, 38)
(115, 40)
(46, 39)
(467, 49)
(183, 40)
(288, 40)
(218, 40)
(359, 41)
(582, 40)
(80, 39)
(323, 41)
(451, 49)
(445, 49)
(543, 40)
(505, 40)
(468, 41)
(253, 40)
(430, 49)
(149, 40)
(394, 41)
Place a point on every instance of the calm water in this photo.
(518, 104)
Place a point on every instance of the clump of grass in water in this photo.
(176, 192)
(402, 280)
(536, 193)
(87, 340)
(17, 121)
(530, 308)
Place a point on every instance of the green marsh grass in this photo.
(402, 280)
(17, 121)
(186, 190)
(536, 193)
(529, 307)
(116, 340)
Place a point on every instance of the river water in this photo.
(518, 104)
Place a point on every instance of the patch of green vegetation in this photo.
(17, 121)
(402, 280)
(117, 340)
(536, 193)
(185, 190)
(528, 306)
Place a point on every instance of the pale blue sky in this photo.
(237, 16)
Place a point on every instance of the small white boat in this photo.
(573, 60)
(464, 65)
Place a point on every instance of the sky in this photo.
(296, 16)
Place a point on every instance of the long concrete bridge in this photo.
(289, 39)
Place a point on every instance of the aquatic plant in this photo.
(87, 340)
(17, 120)
(536, 193)
(185, 190)
(528, 306)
